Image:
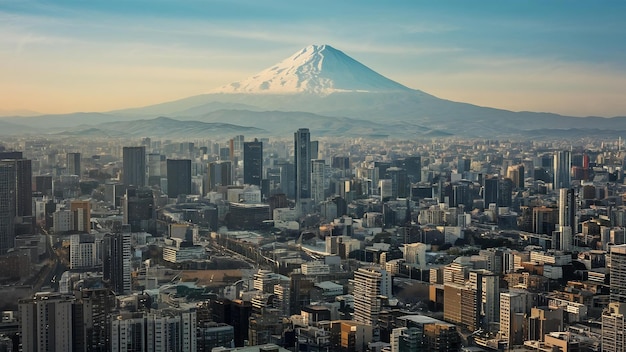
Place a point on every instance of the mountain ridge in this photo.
(325, 89)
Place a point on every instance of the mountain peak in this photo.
(316, 69)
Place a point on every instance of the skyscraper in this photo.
(413, 167)
(92, 319)
(154, 162)
(490, 191)
(82, 215)
(7, 206)
(73, 164)
(178, 177)
(302, 153)
(371, 286)
(116, 266)
(567, 219)
(516, 174)
(139, 209)
(23, 182)
(220, 174)
(318, 169)
(399, 182)
(562, 169)
(614, 327)
(618, 273)
(134, 159)
(46, 322)
(253, 162)
(15, 196)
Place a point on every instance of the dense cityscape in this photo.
(312, 243)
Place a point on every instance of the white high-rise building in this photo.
(372, 285)
(63, 220)
(614, 328)
(161, 330)
(513, 307)
(83, 251)
(415, 253)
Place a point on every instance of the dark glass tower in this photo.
(116, 266)
(178, 177)
(139, 209)
(253, 162)
(562, 169)
(134, 166)
(73, 164)
(302, 152)
(491, 191)
(7, 206)
(220, 174)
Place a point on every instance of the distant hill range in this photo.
(323, 89)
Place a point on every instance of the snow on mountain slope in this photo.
(316, 69)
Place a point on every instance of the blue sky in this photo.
(567, 57)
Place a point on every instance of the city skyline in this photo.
(72, 56)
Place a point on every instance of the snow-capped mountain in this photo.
(326, 90)
(316, 69)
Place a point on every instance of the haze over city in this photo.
(68, 56)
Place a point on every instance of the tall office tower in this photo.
(220, 174)
(171, 330)
(134, 163)
(617, 270)
(315, 149)
(287, 178)
(463, 165)
(236, 147)
(614, 327)
(178, 177)
(128, 332)
(413, 167)
(154, 169)
(73, 164)
(139, 210)
(461, 195)
(116, 256)
(490, 191)
(487, 287)
(372, 285)
(567, 218)
(302, 153)
(505, 193)
(7, 206)
(92, 319)
(516, 174)
(43, 185)
(224, 154)
(399, 182)
(23, 182)
(82, 215)
(318, 180)
(562, 169)
(341, 163)
(253, 162)
(46, 322)
(513, 309)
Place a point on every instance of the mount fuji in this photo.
(324, 89)
(316, 69)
